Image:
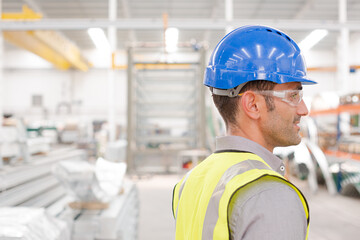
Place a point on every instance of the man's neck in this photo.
(252, 133)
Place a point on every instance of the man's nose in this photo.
(302, 110)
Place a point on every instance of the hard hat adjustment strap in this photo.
(232, 92)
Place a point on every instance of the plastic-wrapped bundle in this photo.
(91, 183)
(109, 176)
(77, 177)
(20, 223)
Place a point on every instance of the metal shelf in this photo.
(349, 108)
(158, 97)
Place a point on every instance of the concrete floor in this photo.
(156, 220)
(332, 217)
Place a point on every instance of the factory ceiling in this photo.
(199, 21)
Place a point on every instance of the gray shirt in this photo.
(266, 209)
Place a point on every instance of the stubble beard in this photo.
(282, 134)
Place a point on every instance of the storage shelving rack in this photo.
(336, 155)
(166, 103)
(351, 109)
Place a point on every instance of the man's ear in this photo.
(250, 104)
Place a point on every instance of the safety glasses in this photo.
(292, 97)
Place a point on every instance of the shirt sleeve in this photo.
(268, 210)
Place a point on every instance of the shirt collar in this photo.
(243, 144)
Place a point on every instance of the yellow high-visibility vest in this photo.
(202, 197)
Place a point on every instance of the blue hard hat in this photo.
(255, 53)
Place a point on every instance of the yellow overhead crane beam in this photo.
(49, 45)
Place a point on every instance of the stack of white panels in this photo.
(118, 221)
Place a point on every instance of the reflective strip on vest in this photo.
(212, 212)
(180, 191)
(236, 171)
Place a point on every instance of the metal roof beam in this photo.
(127, 15)
(185, 24)
(213, 14)
(35, 7)
(305, 7)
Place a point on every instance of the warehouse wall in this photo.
(326, 80)
(91, 89)
(20, 85)
(26, 75)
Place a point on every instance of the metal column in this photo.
(111, 72)
(343, 51)
(202, 105)
(229, 15)
(130, 113)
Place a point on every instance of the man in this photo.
(255, 75)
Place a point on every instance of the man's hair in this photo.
(227, 106)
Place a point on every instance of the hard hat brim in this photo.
(227, 79)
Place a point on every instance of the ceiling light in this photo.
(98, 37)
(312, 39)
(171, 39)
